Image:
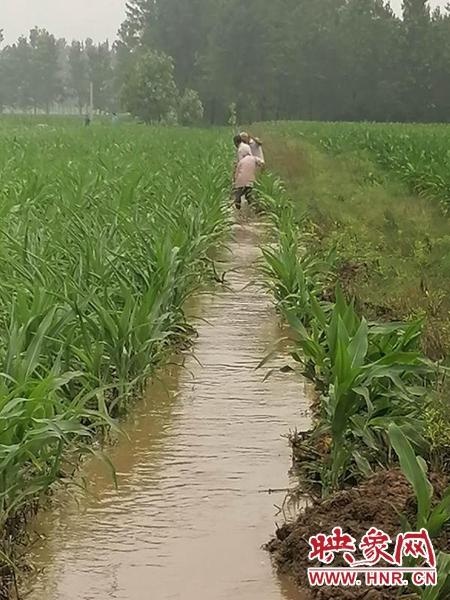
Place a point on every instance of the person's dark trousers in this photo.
(243, 191)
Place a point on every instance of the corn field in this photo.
(104, 234)
(417, 154)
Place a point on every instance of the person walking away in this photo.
(254, 143)
(243, 149)
(245, 177)
(257, 148)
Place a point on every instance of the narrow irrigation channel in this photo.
(192, 510)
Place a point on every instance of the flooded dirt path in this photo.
(191, 512)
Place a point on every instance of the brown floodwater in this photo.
(192, 511)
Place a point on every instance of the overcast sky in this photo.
(79, 19)
(397, 4)
(72, 19)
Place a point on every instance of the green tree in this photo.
(177, 28)
(17, 71)
(327, 59)
(190, 108)
(140, 13)
(149, 91)
(3, 96)
(100, 72)
(370, 57)
(440, 61)
(180, 29)
(45, 77)
(416, 59)
(125, 52)
(78, 74)
(243, 59)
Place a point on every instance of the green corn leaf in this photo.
(441, 591)
(359, 345)
(414, 473)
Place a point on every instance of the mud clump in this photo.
(375, 503)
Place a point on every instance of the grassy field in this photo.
(104, 233)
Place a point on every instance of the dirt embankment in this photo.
(378, 502)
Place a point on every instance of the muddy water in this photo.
(192, 509)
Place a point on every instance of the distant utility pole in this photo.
(91, 100)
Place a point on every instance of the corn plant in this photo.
(293, 276)
(431, 517)
(415, 470)
(368, 376)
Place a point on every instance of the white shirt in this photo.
(256, 149)
(243, 150)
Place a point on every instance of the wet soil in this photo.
(377, 502)
(201, 451)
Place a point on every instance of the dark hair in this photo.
(237, 140)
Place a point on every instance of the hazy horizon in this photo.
(80, 19)
(98, 19)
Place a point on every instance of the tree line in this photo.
(39, 71)
(273, 59)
